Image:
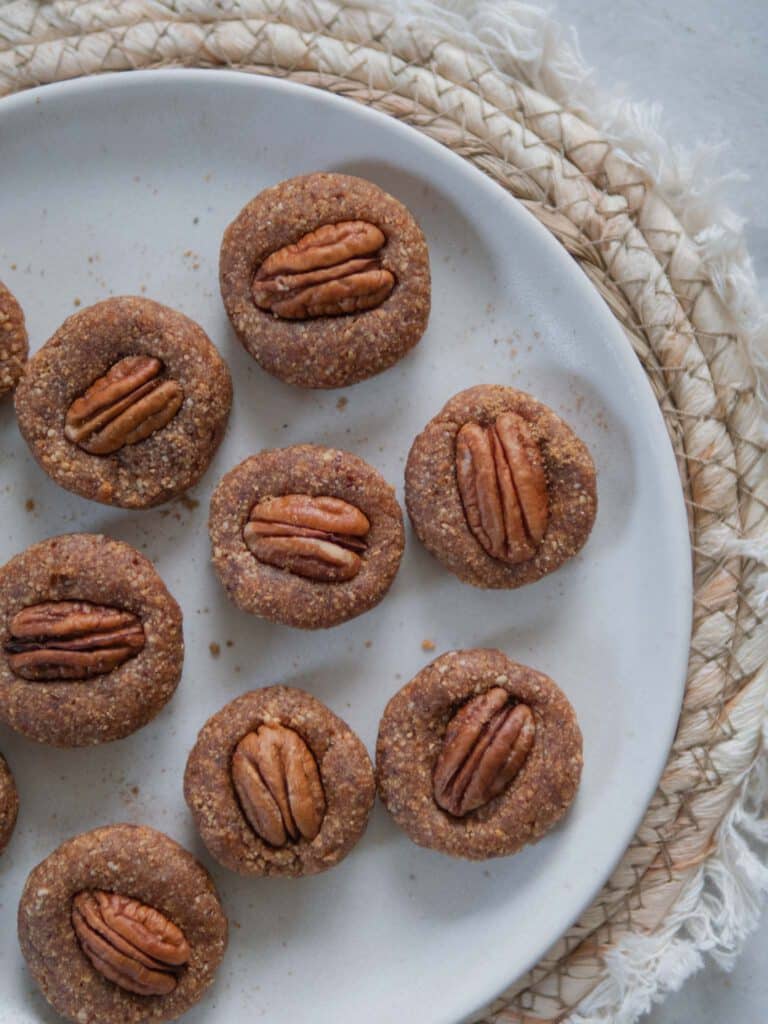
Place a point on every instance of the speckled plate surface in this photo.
(124, 184)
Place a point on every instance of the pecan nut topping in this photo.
(71, 640)
(328, 272)
(319, 538)
(485, 746)
(123, 407)
(278, 782)
(503, 487)
(131, 944)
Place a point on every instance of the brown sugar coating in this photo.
(9, 803)
(153, 468)
(13, 341)
(135, 862)
(275, 592)
(326, 351)
(412, 734)
(435, 504)
(343, 766)
(107, 705)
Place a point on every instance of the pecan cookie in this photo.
(325, 279)
(126, 403)
(90, 638)
(478, 755)
(278, 785)
(121, 924)
(307, 536)
(9, 803)
(13, 341)
(499, 488)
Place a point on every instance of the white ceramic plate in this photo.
(124, 184)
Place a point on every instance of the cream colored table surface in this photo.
(711, 76)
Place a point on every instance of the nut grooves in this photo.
(329, 272)
(503, 487)
(71, 640)
(277, 780)
(123, 407)
(129, 943)
(486, 744)
(320, 538)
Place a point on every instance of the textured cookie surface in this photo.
(434, 502)
(87, 345)
(139, 863)
(325, 351)
(282, 596)
(345, 771)
(104, 572)
(9, 803)
(411, 735)
(13, 341)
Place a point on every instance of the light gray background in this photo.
(706, 62)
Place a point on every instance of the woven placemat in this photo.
(475, 95)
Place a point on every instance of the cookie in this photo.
(325, 279)
(91, 641)
(9, 803)
(126, 404)
(478, 756)
(14, 344)
(499, 488)
(278, 784)
(121, 924)
(307, 536)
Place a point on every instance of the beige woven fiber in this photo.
(636, 254)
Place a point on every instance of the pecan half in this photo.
(71, 640)
(316, 537)
(127, 404)
(328, 272)
(485, 745)
(503, 487)
(131, 944)
(278, 782)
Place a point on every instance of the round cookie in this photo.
(139, 864)
(9, 803)
(14, 344)
(91, 643)
(273, 741)
(560, 464)
(304, 321)
(126, 403)
(430, 772)
(312, 577)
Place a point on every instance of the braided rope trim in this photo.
(604, 210)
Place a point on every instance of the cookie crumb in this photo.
(368, 644)
(215, 650)
(342, 403)
(427, 645)
(189, 503)
(76, 302)
(29, 504)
